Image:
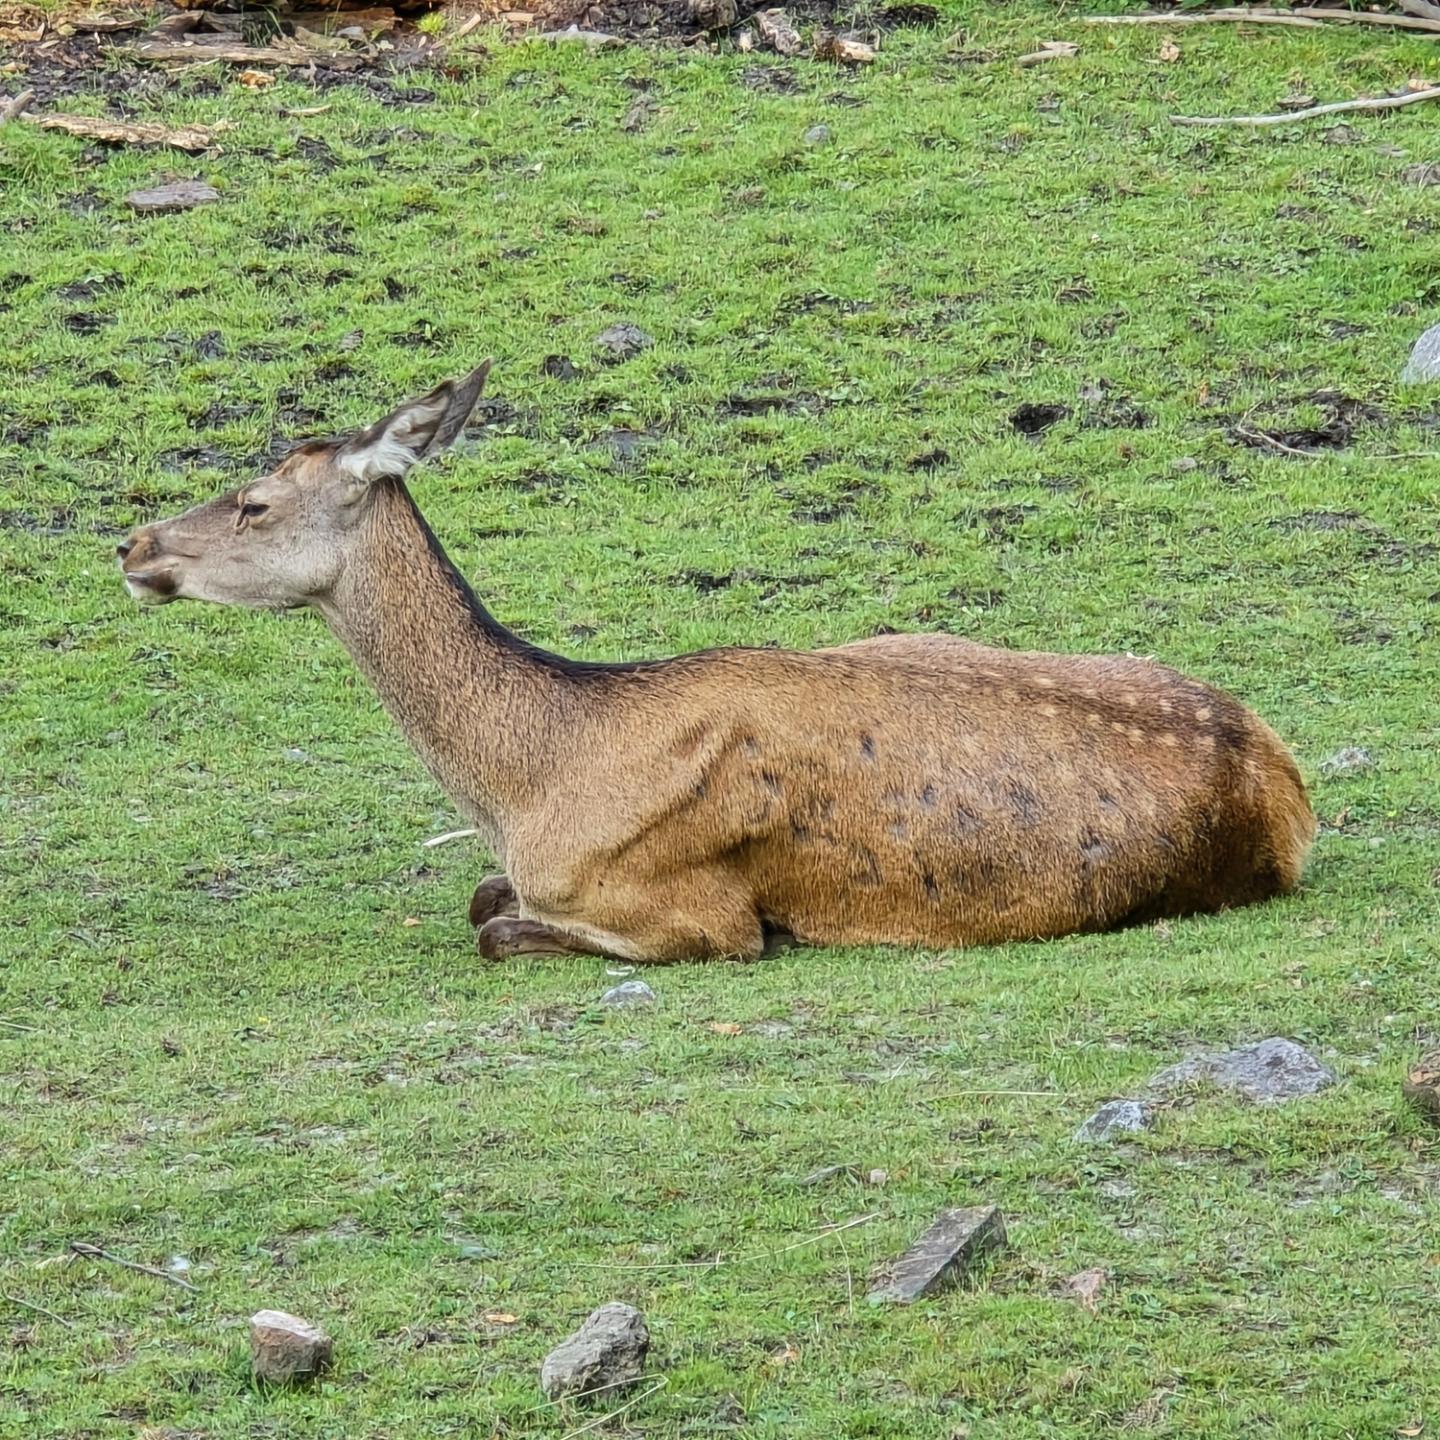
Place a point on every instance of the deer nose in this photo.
(125, 547)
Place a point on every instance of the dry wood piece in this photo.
(1382, 102)
(842, 50)
(1422, 1086)
(778, 33)
(232, 54)
(119, 132)
(1049, 50)
(180, 23)
(13, 109)
(370, 19)
(104, 24)
(945, 1252)
(1304, 16)
(595, 39)
(182, 195)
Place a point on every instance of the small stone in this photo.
(948, 1250)
(714, 14)
(1118, 1117)
(1422, 1086)
(351, 340)
(818, 135)
(1267, 1072)
(877, 1177)
(284, 1349)
(1421, 174)
(559, 367)
(183, 195)
(1424, 361)
(1185, 465)
(179, 1266)
(632, 992)
(1343, 762)
(606, 1354)
(623, 341)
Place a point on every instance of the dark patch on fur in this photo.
(929, 797)
(1024, 803)
(771, 781)
(867, 746)
(966, 821)
(932, 887)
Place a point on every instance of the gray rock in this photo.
(1268, 1071)
(623, 341)
(1351, 758)
(946, 1252)
(818, 135)
(1118, 1117)
(1424, 361)
(183, 195)
(632, 992)
(607, 1351)
(284, 1349)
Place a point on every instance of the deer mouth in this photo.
(152, 587)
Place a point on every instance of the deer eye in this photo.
(252, 510)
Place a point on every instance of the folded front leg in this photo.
(493, 896)
(505, 935)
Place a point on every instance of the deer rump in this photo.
(918, 790)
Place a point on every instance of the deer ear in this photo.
(419, 428)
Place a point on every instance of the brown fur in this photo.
(914, 790)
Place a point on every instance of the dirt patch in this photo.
(1339, 418)
(1035, 419)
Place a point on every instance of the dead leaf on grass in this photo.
(726, 1027)
(1085, 1287)
(1169, 52)
(255, 79)
(501, 1317)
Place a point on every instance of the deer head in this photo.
(283, 540)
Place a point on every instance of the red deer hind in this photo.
(910, 789)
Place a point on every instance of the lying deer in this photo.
(909, 789)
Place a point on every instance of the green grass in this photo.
(239, 1046)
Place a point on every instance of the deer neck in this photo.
(479, 706)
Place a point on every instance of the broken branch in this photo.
(1381, 102)
(14, 108)
(39, 1310)
(94, 1252)
(119, 132)
(1306, 17)
(1050, 50)
(232, 54)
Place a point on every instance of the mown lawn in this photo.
(242, 1020)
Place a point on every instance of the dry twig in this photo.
(94, 1252)
(1379, 102)
(39, 1310)
(1303, 16)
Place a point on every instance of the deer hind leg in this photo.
(493, 896)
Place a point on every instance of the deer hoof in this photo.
(493, 896)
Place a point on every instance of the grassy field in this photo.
(242, 1020)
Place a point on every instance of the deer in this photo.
(919, 790)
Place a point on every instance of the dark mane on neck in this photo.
(494, 632)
